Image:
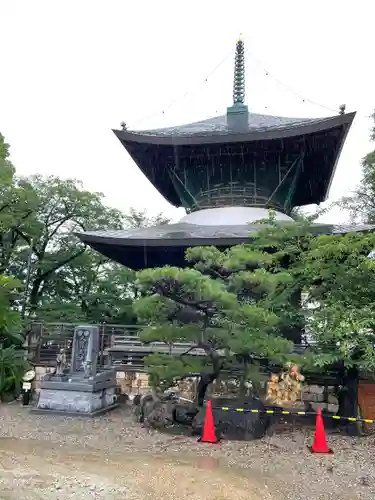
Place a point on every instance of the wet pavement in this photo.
(33, 470)
(110, 457)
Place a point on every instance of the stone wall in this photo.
(137, 383)
(318, 396)
(132, 382)
(127, 382)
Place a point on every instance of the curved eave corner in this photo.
(346, 127)
(175, 139)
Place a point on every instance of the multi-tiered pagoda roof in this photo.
(227, 172)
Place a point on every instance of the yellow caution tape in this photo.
(286, 412)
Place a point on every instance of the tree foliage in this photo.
(340, 279)
(17, 203)
(244, 303)
(63, 280)
(10, 320)
(235, 305)
(140, 218)
(63, 207)
(361, 204)
(12, 359)
(335, 280)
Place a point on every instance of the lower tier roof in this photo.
(166, 244)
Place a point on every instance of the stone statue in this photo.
(60, 362)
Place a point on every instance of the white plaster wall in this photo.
(231, 216)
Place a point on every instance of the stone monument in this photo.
(83, 389)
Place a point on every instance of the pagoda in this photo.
(227, 172)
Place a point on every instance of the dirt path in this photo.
(32, 470)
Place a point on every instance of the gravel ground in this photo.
(112, 458)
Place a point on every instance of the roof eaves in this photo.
(252, 135)
(147, 237)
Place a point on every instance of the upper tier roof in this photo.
(155, 150)
(214, 129)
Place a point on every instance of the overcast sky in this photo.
(71, 70)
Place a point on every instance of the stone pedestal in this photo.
(77, 395)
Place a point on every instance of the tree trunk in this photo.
(294, 333)
(34, 294)
(348, 400)
(207, 378)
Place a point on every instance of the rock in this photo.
(122, 398)
(316, 389)
(307, 396)
(318, 398)
(184, 414)
(233, 424)
(153, 412)
(333, 408)
(332, 399)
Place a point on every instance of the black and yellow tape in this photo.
(297, 413)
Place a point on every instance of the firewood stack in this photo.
(285, 389)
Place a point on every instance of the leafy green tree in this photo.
(12, 369)
(63, 279)
(258, 295)
(340, 281)
(62, 207)
(361, 204)
(140, 218)
(12, 361)
(10, 320)
(336, 277)
(90, 287)
(232, 306)
(17, 203)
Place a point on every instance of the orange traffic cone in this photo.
(208, 435)
(320, 440)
